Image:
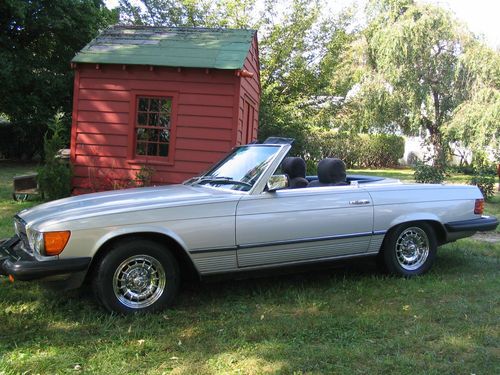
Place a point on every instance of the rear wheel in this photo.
(409, 249)
(136, 275)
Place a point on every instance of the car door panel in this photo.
(303, 224)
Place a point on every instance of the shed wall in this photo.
(249, 98)
(204, 124)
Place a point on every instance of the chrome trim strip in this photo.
(211, 250)
(292, 263)
(288, 242)
(379, 232)
(302, 240)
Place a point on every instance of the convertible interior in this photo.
(331, 172)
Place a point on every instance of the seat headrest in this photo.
(331, 171)
(294, 167)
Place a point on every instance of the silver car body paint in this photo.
(225, 230)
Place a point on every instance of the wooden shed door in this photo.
(249, 115)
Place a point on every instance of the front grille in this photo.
(21, 232)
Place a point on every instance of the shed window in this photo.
(152, 126)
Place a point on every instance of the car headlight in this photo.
(35, 240)
(48, 243)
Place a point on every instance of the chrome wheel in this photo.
(139, 281)
(412, 248)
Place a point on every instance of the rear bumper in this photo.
(23, 266)
(484, 223)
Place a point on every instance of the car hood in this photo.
(120, 201)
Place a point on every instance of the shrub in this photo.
(485, 179)
(363, 150)
(464, 169)
(144, 176)
(54, 178)
(428, 174)
(380, 150)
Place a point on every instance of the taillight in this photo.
(479, 206)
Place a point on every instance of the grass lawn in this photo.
(349, 320)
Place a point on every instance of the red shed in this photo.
(173, 99)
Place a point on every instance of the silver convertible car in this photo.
(254, 210)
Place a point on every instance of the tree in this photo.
(38, 39)
(476, 121)
(190, 13)
(412, 65)
(299, 52)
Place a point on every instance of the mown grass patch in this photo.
(347, 320)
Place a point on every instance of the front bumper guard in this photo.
(23, 266)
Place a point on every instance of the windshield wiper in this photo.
(221, 180)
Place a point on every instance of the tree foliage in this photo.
(188, 13)
(418, 72)
(476, 121)
(38, 39)
(300, 50)
(412, 69)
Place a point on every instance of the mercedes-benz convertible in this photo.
(256, 209)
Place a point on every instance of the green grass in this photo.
(8, 207)
(349, 320)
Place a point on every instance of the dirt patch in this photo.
(491, 237)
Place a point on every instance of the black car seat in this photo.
(331, 172)
(295, 168)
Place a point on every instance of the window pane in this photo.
(142, 119)
(154, 105)
(143, 104)
(164, 136)
(141, 149)
(165, 121)
(166, 106)
(152, 149)
(153, 119)
(163, 150)
(141, 134)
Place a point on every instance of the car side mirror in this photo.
(277, 181)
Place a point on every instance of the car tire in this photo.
(136, 275)
(409, 249)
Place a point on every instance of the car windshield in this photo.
(240, 170)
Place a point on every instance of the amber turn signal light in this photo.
(55, 242)
(479, 206)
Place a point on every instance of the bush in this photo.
(54, 178)
(362, 150)
(464, 169)
(485, 179)
(380, 150)
(10, 141)
(428, 174)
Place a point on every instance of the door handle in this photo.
(361, 201)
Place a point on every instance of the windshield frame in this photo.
(260, 184)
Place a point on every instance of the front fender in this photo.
(138, 229)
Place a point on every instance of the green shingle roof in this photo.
(169, 46)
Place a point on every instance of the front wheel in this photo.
(136, 275)
(409, 249)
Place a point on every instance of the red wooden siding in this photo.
(249, 97)
(208, 120)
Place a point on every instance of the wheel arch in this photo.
(436, 225)
(173, 243)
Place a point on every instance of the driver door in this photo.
(294, 225)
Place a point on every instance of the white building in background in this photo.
(416, 149)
